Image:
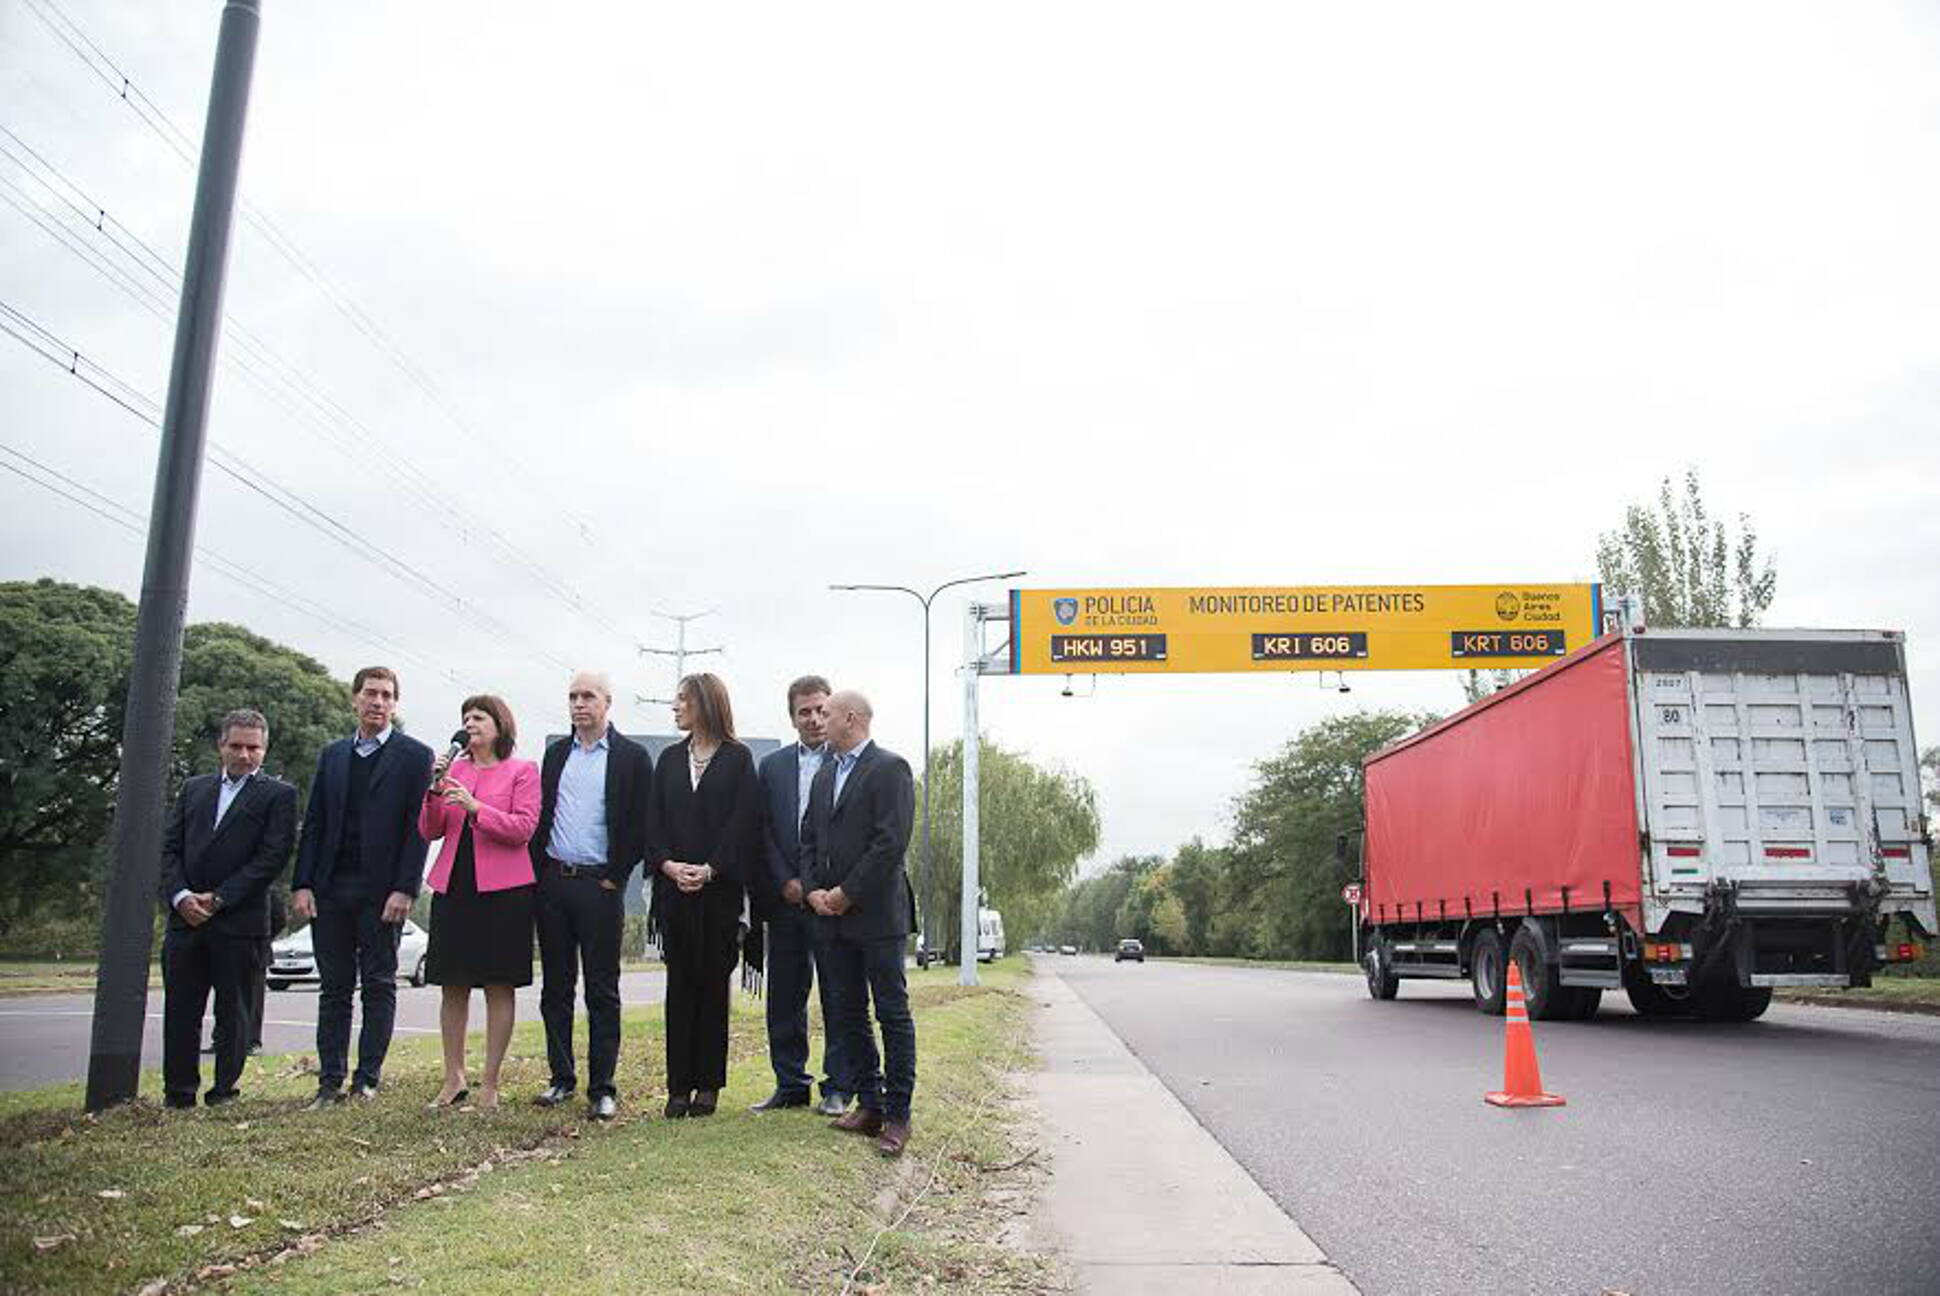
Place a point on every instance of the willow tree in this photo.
(1035, 824)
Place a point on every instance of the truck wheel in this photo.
(1547, 998)
(1486, 973)
(1653, 1000)
(1727, 1001)
(1382, 983)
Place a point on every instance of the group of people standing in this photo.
(808, 850)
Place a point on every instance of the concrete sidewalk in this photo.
(1141, 1198)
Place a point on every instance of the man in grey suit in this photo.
(860, 812)
(786, 775)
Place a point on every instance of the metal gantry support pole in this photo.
(972, 749)
(927, 882)
(128, 923)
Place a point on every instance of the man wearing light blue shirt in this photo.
(592, 830)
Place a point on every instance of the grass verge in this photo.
(261, 1196)
(1890, 994)
(77, 977)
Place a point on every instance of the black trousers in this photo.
(860, 972)
(701, 938)
(197, 962)
(793, 967)
(580, 925)
(355, 950)
(258, 985)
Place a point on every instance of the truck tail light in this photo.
(1908, 952)
(1896, 852)
(1665, 951)
(1683, 852)
(1788, 852)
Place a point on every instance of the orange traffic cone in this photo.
(1522, 1080)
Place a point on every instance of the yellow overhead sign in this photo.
(1309, 627)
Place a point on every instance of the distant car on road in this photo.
(293, 959)
(1067, 949)
(1129, 949)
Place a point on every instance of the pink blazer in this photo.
(508, 811)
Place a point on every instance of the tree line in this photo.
(65, 653)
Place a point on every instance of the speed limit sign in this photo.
(1351, 893)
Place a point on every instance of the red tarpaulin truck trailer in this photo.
(1695, 816)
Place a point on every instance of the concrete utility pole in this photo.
(127, 926)
(680, 652)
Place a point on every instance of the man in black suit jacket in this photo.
(594, 788)
(860, 812)
(229, 837)
(358, 867)
(786, 773)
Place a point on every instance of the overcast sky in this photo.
(723, 303)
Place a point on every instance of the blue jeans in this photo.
(857, 973)
(792, 967)
(354, 947)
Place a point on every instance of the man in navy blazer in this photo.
(358, 867)
(860, 812)
(226, 841)
(786, 774)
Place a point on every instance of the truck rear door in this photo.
(1781, 761)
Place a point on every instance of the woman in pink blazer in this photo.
(484, 805)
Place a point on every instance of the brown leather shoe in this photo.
(859, 1121)
(895, 1134)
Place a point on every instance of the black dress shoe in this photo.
(217, 1097)
(832, 1104)
(677, 1107)
(179, 1102)
(704, 1102)
(553, 1095)
(365, 1092)
(325, 1100)
(603, 1108)
(781, 1098)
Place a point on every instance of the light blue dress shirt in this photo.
(844, 763)
(579, 813)
(810, 762)
(365, 746)
(227, 793)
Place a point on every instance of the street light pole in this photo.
(928, 881)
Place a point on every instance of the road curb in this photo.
(1141, 1198)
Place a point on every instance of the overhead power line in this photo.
(120, 515)
(275, 377)
(44, 343)
(122, 85)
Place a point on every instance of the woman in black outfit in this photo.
(704, 827)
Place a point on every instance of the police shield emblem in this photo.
(1065, 610)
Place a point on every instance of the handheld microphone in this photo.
(459, 741)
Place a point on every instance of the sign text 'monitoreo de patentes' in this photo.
(1308, 627)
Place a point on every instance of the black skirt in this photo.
(479, 938)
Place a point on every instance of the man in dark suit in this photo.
(594, 787)
(358, 866)
(229, 837)
(860, 812)
(786, 775)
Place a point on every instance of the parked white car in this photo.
(292, 959)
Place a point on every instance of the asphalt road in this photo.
(1799, 1154)
(44, 1038)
